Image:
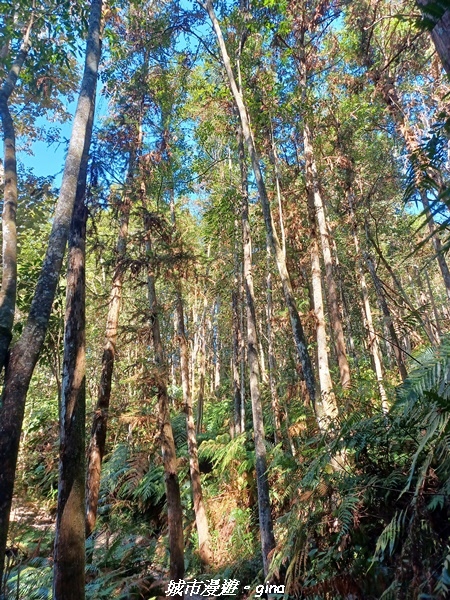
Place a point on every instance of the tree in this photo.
(69, 552)
(26, 351)
(297, 328)
(437, 18)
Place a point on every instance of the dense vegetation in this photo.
(239, 367)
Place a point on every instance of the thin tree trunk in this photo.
(326, 408)
(216, 346)
(437, 244)
(97, 442)
(403, 295)
(275, 162)
(276, 411)
(25, 353)
(174, 508)
(201, 520)
(296, 324)
(433, 304)
(393, 103)
(236, 361)
(372, 340)
(69, 551)
(331, 288)
(261, 355)
(388, 319)
(202, 368)
(424, 302)
(243, 349)
(8, 290)
(265, 517)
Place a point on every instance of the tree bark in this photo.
(174, 508)
(331, 288)
(440, 33)
(265, 517)
(97, 441)
(236, 360)
(202, 367)
(8, 290)
(25, 353)
(69, 550)
(388, 319)
(201, 520)
(325, 408)
(277, 250)
(372, 340)
(276, 411)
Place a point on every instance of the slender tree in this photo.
(69, 550)
(25, 353)
(97, 441)
(265, 517)
(277, 250)
(174, 508)
(9, 230)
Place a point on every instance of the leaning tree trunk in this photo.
(174, 508)
(372, 339)
(398, 353)
(393, 103)
(97, 441)
(25, 353)
(265, 517)
(69, 550)
(277, 250)
(331, 287)
(8, 290)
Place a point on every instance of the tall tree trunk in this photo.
(440, 33)
(202, 367)
(388, 319)
(97, 441)
(243, 349)
(69, 551)
(8, 290)
(332, 292)
(372, 340)
(236, 362)
(265, 517)
(326, 408)
(174, 509)
(276, 411)
(216, 345)
(25, 353)
(201, 520)
(277, 250)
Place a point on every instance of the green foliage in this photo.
(386, 506)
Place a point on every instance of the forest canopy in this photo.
(225, 327)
